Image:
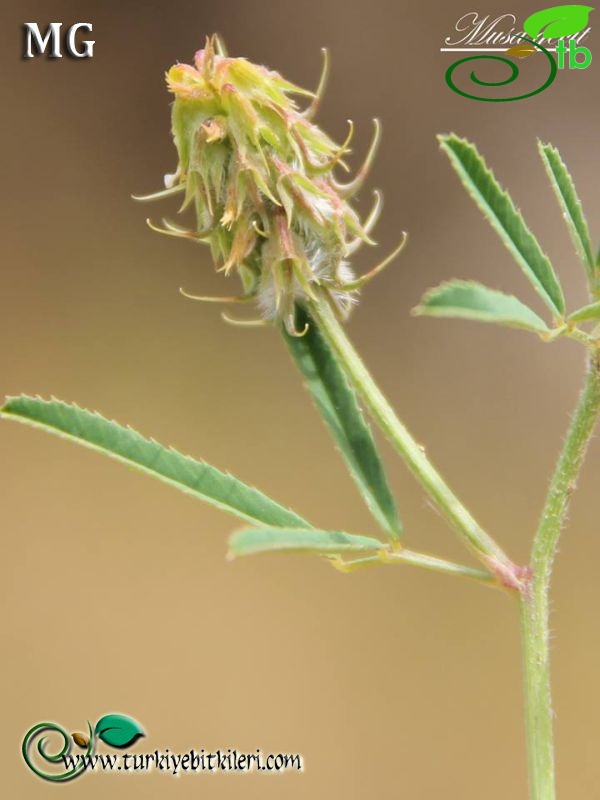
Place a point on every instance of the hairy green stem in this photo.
(470, 532)
(532, 584)
(534, 603)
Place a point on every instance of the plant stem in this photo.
(422, 560)
(534, 603)
(470, 532)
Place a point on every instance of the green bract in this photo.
(259, 176)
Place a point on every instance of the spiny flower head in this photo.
(259, 176)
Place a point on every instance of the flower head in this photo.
(260, 177)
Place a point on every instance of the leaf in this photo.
(521, 51)
(337, 402)
(250, 541)
(471, 300)
(590, 312)
(557, 21)
(500, 211)
(565, 191)
(117, 730)
(194, 477)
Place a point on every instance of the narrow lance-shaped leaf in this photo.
(506, 220)
(564, 187)
(194, 477)
(337, 402)
(471, 300)
(261, 540)
(588, 313)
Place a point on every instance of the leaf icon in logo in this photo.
(557, 21)
(521, 50)
(117, 730)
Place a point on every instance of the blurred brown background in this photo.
(115, 592)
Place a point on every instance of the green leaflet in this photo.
(500, 210)
(564, 187)
(337, 402)
(261, 540)
(587, 313)
(471, 300)
(185, 473)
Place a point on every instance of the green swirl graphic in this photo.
(53, 758)
(513, 76)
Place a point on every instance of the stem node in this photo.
(510, 575)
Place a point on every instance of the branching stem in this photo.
(469, 531)
(534, 604)
(533, 582)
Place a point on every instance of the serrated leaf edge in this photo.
(7, 413)
(557, 308)
(583, 246)
(421, 309)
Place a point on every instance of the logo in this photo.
(54, 754)
(559, 29)
(115, 730)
